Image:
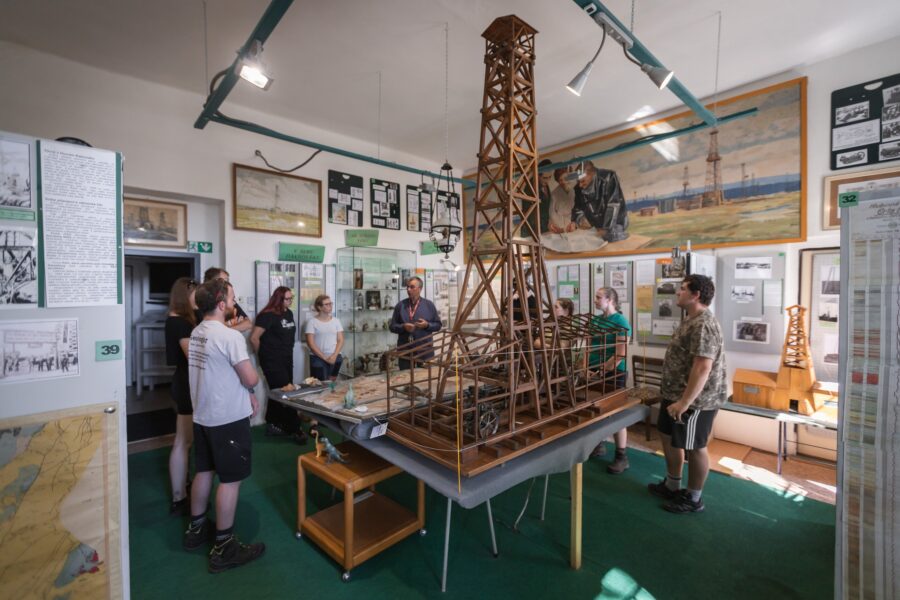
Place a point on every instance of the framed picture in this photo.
(276, 202)
(820, 288)
(154, 223)
(741, 183)
(835, 185)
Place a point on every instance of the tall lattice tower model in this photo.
(500, 384)
(713, 194)
(795, 386)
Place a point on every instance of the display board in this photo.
(384, 201)
(306, 280)
(345, 199)
(618, 275)
(820, 292)
(868, 473)
(62, 371)
(751, 302)
(865, 123)
(573, 281)
(418, 209)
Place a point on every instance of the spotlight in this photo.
(252, 68)
(658, 75)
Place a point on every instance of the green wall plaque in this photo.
(301, 252)
(361, 237)
(108, 350)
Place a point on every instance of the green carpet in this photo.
(751, 542)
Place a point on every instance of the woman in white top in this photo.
(325, 338)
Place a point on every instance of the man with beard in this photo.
(600, 203)
(222, 381)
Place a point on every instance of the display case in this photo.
(370, 282)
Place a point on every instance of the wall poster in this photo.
(345, 199)
(653, 197)
(418, 209)
(384, 198)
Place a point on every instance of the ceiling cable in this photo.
(718, 53)
(379, 114)
(631, 27)
(446, 91)
(205, 48)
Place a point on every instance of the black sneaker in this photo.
(618, 465)
(683, 504)
(659, 489)
(182, 507)
(195, 537)
(274, 430)
(233, 554)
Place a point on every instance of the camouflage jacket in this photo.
(696, 336)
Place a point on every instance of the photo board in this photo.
(418, 209)
(345, 199)
(865, 123)
(384, 202)
(750, 292)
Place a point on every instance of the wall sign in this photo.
(304, 253)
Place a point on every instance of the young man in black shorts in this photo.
(222, 379)
(693, 387)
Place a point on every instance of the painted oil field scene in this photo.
(276, 202)
(739, 183)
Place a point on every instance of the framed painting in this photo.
(741, 183)
(835, 185)
(154, 223)
(276, 202)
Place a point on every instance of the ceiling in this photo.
(326, 56)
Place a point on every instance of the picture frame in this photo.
(834, 185)
(660, 187)
(819, 292)
(154, 223)
(274, 202)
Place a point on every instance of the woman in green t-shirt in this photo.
(604, 358)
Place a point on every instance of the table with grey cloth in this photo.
(558, 456)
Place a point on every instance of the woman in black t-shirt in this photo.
(179, 323)
(273, 339)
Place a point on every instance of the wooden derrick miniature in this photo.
(492, 389)
(793, 388)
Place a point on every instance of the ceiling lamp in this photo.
(658, 75)
(445, 225)
(252, 68)
(577, 84)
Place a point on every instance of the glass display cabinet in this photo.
(370, 282)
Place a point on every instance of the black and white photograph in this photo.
(38, 350)
(889, 112)
(618, 277)
(853, 157)
(15, 174)
(891, 95)
(754, 267)
(828, 310)
(851, 113)
(18, 267)
(755, 332)
(890, 130)
(831, 280)
(667, 288)
(674, 269)
(154, 223)
(665, 308)
(743, 294)
(889, 151)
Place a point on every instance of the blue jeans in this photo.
(321, 370)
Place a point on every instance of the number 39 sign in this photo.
(108, 350)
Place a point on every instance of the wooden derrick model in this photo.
(793, 388)
(496, 388)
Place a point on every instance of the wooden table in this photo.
(362, 525)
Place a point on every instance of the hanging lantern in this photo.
(445, 225)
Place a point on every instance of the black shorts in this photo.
(181, 393)
(224, 449)
(692, 433)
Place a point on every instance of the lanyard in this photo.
(413, 308)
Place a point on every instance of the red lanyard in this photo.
(413, 308)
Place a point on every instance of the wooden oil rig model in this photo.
(794, 387)
(492, 389)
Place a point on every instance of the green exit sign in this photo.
(201, 247)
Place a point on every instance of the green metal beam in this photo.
(261, 32)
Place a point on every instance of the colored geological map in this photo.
(53, 510)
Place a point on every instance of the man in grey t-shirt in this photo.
(222, 379)
(693, 387)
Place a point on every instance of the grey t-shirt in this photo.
(700, 335)
(325, 333)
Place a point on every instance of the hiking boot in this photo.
(618, 465)
(659, 489)
(233, 553)
(274, 430)
(683, 504)
(196, 537)
(600, 450)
